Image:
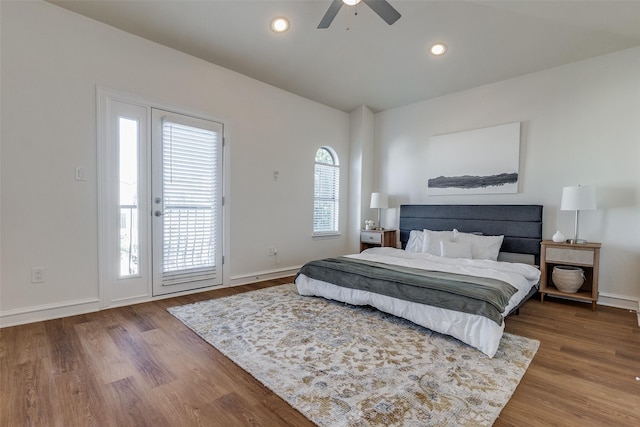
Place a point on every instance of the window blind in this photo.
(326, 194)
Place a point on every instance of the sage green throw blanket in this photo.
(468, 294)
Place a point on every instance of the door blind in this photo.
(190, 208)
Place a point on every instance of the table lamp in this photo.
(379, 201)
(578, 199)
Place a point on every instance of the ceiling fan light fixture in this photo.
(280, 24)
(438, 49)
(381, 7)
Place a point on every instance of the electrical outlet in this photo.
(37, 275)
(272, 251)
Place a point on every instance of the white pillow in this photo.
(432, 241)
(451, 249)
(482, 247)
(416, 241)
(486, 247)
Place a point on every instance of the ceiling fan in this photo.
(381, 7)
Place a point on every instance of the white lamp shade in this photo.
(578, 198)
(379, 201)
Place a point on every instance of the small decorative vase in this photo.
(558, 237)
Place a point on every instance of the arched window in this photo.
(326, 192)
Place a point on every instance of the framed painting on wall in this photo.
(480, 161)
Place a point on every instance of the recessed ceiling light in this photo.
(350, 2)
(438, 49)
(280, 24)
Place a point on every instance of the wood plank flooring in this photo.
(139, 366)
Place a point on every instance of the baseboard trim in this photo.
(245, 279)
(73, 308)
(619, 301)
(48, 311)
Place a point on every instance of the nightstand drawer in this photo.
(371, 237)
(577, 256)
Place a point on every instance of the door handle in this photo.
(158, 213)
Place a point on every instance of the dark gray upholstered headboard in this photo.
(521, 225)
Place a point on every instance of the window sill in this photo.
(320, 236)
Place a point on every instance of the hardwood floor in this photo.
(139, 366)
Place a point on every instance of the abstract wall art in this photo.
(480, 161)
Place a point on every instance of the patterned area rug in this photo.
(341, 365)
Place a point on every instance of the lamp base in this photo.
(576, 241)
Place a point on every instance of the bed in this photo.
(461, 270)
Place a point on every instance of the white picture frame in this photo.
(480, 161)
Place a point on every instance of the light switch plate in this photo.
(80, 174)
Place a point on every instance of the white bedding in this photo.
(474, 330)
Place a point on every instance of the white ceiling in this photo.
(372, 63)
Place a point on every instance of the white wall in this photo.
(52, 61)
(580, 125)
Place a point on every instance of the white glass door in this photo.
(186, 202)
(160, 200)
(124, 262)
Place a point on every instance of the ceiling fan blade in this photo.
(328, 17)
(384, 10)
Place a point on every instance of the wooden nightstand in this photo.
(379, 238)
(585, 255)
